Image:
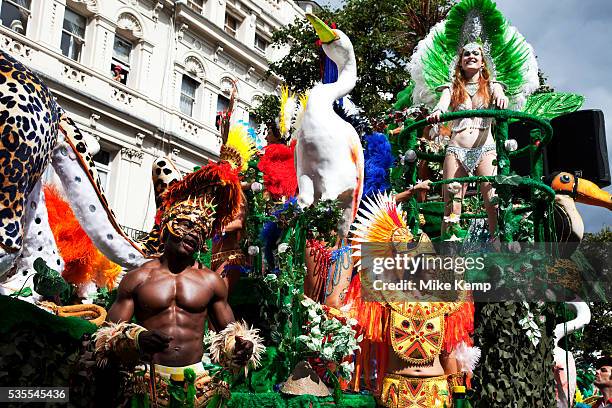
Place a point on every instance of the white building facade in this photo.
(147, 77)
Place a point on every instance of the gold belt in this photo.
(418, 392)
(232, 257)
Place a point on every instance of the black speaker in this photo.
(520, 131)
(579, 146)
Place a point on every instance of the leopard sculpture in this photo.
(34, 133)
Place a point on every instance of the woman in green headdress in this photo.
(471, 149)
(461, 65)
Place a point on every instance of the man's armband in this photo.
(223, 345)
(117, 341)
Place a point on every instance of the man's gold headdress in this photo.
(207, 199)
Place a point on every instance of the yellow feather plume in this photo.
(381, 221)
(304, 99)
(283, 125)
(239, 140)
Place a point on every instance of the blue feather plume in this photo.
(378, 160)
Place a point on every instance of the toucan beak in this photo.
(325, 33)
(589, 193)
(582, 190)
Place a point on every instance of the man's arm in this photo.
(219, 310)
(221, 315)
(123, 307)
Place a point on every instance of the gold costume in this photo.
(232, 257)
(414, 392)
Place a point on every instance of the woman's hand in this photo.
(434, 117)
(499, 98)
(422, 186)
(501, 101)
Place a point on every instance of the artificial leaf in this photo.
(552, 104)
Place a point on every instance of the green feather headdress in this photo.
(509, 57)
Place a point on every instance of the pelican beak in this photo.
(583, 190)
(325, 33)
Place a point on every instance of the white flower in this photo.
(253, 250)
(328, 352)
(351, 322)
(346, 307)
(270, 277)
(307, 301)
(510, 145)
(453, 238)
(312, 313)
(256, 187)
(282, 248)
(452, 218)
(348, 367)
(454, 187)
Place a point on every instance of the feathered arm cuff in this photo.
(467, 357)
(117, 341)
(223, 345)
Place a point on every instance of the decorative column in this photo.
(216, 12)
(246, 33)
(103, 39)
(49, 33)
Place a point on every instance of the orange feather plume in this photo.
(83, 262)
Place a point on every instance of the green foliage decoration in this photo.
(513, 372)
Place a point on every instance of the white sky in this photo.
(573, 42)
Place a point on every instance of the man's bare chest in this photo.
(167, 291)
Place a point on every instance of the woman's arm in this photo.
(405, 195)
(441, 107)
(499, 96)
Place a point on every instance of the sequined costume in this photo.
(470, 157)
(416, 331)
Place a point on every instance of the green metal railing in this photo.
(541, 204)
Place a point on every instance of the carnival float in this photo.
(292, 227)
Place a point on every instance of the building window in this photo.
(196, 5)
(231, 25)
(73, 34)
(222, 106)
(102, 160)
(120, 66)
(188, 95)
(15, 14)
(261, 43)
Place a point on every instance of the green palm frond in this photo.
(553, 104)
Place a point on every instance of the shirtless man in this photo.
(172, 299)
